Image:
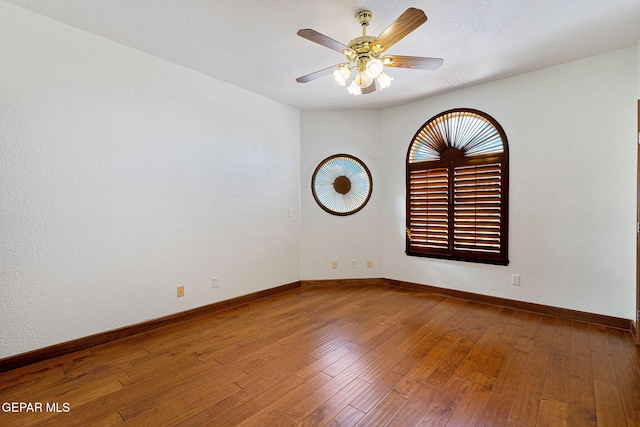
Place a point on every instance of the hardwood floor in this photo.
(365, 355)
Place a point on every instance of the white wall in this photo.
(571, 133)
(123, 176)
(326, 237)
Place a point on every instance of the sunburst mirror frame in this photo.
(341, 184)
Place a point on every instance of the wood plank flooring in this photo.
(342, 356)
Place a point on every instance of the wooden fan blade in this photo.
(411, 19)
(317, 74)
(369, 89)
(323, 40)
(415, 62)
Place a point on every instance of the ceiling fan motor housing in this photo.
(363, 52)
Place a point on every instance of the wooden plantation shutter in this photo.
(477, 208)
(457, 189)
(429, 216)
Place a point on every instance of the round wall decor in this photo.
(341, 184)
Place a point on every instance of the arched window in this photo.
(457, 188)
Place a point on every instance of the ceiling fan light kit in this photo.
(365, 67)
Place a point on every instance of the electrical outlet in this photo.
(180, 291)
(369, 263)
(515, 279)
(216, 282)
(334, 265)
(354, 263)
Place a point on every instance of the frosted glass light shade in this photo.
(341, 74)
(384, 80)
(363, 79)
(374, 67)
(354, 89)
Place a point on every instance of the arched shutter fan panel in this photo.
(469, 131)
(457, 188)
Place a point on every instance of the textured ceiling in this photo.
(253, 44)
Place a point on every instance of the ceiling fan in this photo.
(363, 53)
